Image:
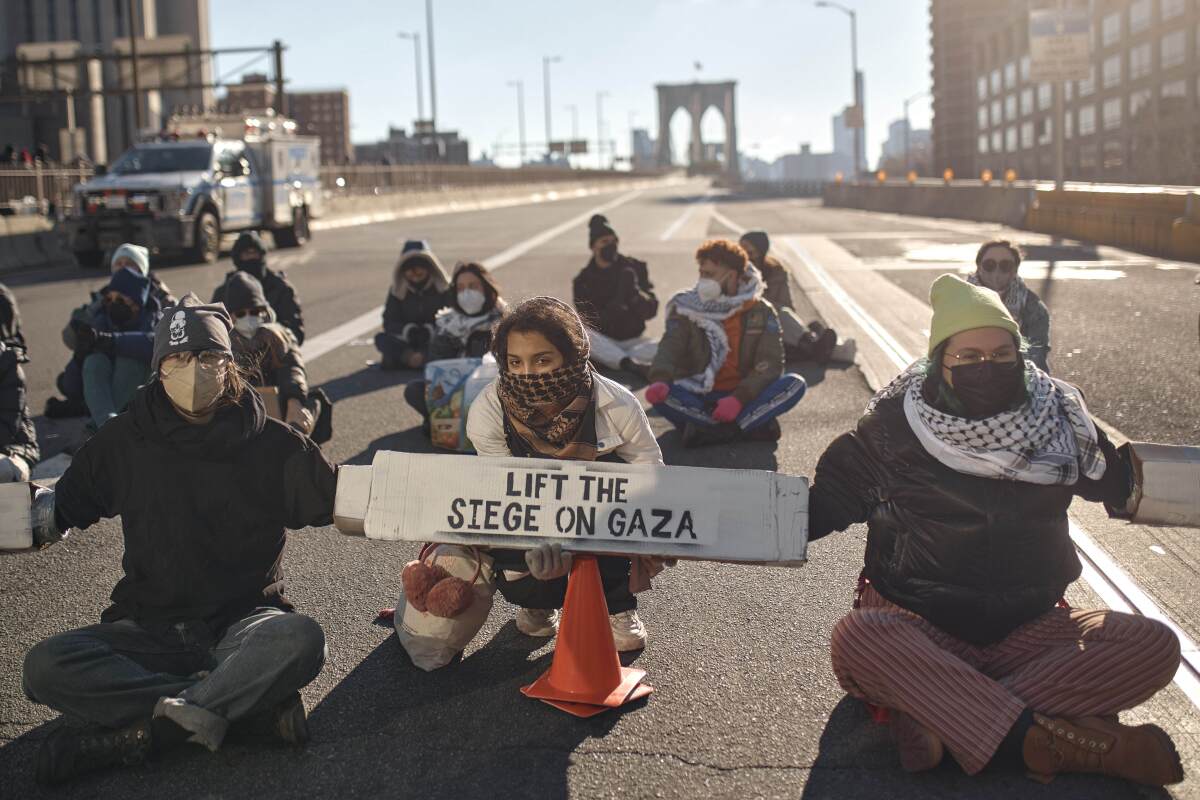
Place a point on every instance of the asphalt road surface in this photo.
(745, 704)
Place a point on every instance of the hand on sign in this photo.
(727, 409)
(299, 417)
(656, 393)
(548, 561)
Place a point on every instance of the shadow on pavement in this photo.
(366, 380)
(406, 441)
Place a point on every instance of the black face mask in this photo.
(987, 389)
(254, 267)
(121, 314)
(609, 252)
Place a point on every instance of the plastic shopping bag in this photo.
(451, 385)
(432, 641)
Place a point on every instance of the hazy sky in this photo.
(790, 59)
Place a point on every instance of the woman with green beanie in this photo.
(963, 469)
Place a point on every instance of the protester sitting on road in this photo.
(996, 266)
(113, 349)
(614, 296)
(199, 636)
(18, 438)
(464, 330)
(718, 375)
(70, 382)
(250, 255)
(963, 468)
(811, 342)
(267, 352)
(549, 403)
(420, 289)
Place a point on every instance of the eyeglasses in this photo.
(245, 312)
(209, 360)
(1004, 265)
(1005, 355)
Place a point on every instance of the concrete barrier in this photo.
(1006, 204)
(28, 242)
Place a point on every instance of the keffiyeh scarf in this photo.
(457, 325)
(1049, 440)
(708, 317)
(1014, 297)
(552, 414)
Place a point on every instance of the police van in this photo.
(200, 177)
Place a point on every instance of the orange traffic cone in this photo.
(586, 676)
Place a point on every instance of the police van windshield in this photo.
(141, 160)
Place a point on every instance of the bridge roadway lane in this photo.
(746, 704)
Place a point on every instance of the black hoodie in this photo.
(280, 292)
(203, 508)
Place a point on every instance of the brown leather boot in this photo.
(919, 748)
(1144, 753)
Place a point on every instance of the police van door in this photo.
(236, 186)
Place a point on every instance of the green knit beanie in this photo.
(960, 306)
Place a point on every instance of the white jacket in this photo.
(621, 424)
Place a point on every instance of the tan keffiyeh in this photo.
(552, 414)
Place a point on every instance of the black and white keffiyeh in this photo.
(459, 326)
(708, 316)
(1049, 440)
(1014, 297)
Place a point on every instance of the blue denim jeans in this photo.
(682, 406)
(110, 383)
(113, 674)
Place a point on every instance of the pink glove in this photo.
(656, 393)
(727, 409)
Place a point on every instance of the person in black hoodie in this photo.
(420, 289)
(18, 439)
(199, 635)
(614, 296)
(250, 255)
(267, 351)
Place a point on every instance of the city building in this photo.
(422, 147)
(1135, 119)
(953, 26)
(807, 166)
(108, 121)
(901, 152)
(321, 112)
(843, 144)
(643, 150)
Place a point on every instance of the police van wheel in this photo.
(207, 248)
(297, 234)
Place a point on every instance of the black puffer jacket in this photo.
(419, 307)
(280, 292)
(203, 508)
(975, 556)
(616, 300)
(17, 434)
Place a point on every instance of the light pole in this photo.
(520, 114)
(600, 129)
(546, 62)
(416, 40)
(432, 79)
(574, 109)
(862, 120)
(908, 127)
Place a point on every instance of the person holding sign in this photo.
(419, 291)
(549, 403)
(268, 352)
(464, 329)
(963, 468)
(718, 374)
(199, 635)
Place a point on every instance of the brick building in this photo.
(322, 112)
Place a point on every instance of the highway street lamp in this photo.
(432, 79)
(858, 99)
(600, 128)
(908, 127)
(416, 40)
(574, 109)
(520, 114)
(546, 62)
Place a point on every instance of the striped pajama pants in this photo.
(1068, 663)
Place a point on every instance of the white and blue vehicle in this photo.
(185, 188)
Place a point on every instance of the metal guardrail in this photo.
(36, 189)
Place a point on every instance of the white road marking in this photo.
(695, 204)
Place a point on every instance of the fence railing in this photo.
(36, 189)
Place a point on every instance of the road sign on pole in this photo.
(1060, 42)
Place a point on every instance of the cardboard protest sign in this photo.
(1166, 484)
(16, 532)
(676, 512)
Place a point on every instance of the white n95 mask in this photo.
(708, 289)
(194, 387)
(471, 301)
(248, 325)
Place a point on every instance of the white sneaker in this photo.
(541, 622)
(628, 631)
(844, 352)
